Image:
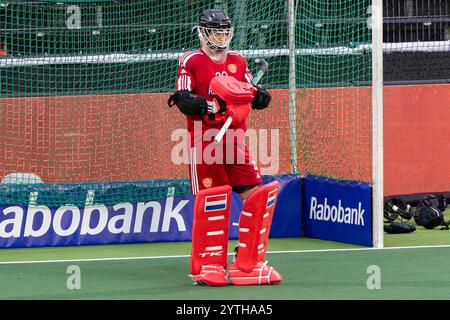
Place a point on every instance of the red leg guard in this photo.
(254, 226)
(210, 229)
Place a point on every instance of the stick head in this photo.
(263, 64)
(262, 70)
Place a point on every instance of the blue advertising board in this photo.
(161, 220)
(337, 210)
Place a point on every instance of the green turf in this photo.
(314, 274)
(420, 237)
(149, 249)
(405, 274)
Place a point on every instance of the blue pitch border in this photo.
(158, 220)
(127, 212)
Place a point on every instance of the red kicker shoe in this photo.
(212, 275)
(261, 274)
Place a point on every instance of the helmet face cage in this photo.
(216, 38)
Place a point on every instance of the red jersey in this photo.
(195, 71)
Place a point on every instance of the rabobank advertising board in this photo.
(163, 220)
(337, 210)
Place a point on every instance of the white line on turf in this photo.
(186, 256)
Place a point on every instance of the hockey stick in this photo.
(262, 70)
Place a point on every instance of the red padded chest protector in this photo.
(232, 90)
(238, 96)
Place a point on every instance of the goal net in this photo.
(84, 114)
(84, 91)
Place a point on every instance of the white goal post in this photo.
(377, 123)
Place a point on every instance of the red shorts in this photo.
(224, 164)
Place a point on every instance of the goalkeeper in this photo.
(213, 181)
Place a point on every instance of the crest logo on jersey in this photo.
(215, 203)
(232, 68)
(207, 182)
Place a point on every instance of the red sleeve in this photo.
(247, 75)
(185, 79)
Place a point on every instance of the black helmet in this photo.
(429, 217)
(214, 18)
(429, 214)
(215, 29)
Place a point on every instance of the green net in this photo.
(84, 86)
(334, 96)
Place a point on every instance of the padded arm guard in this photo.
(188, 103)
